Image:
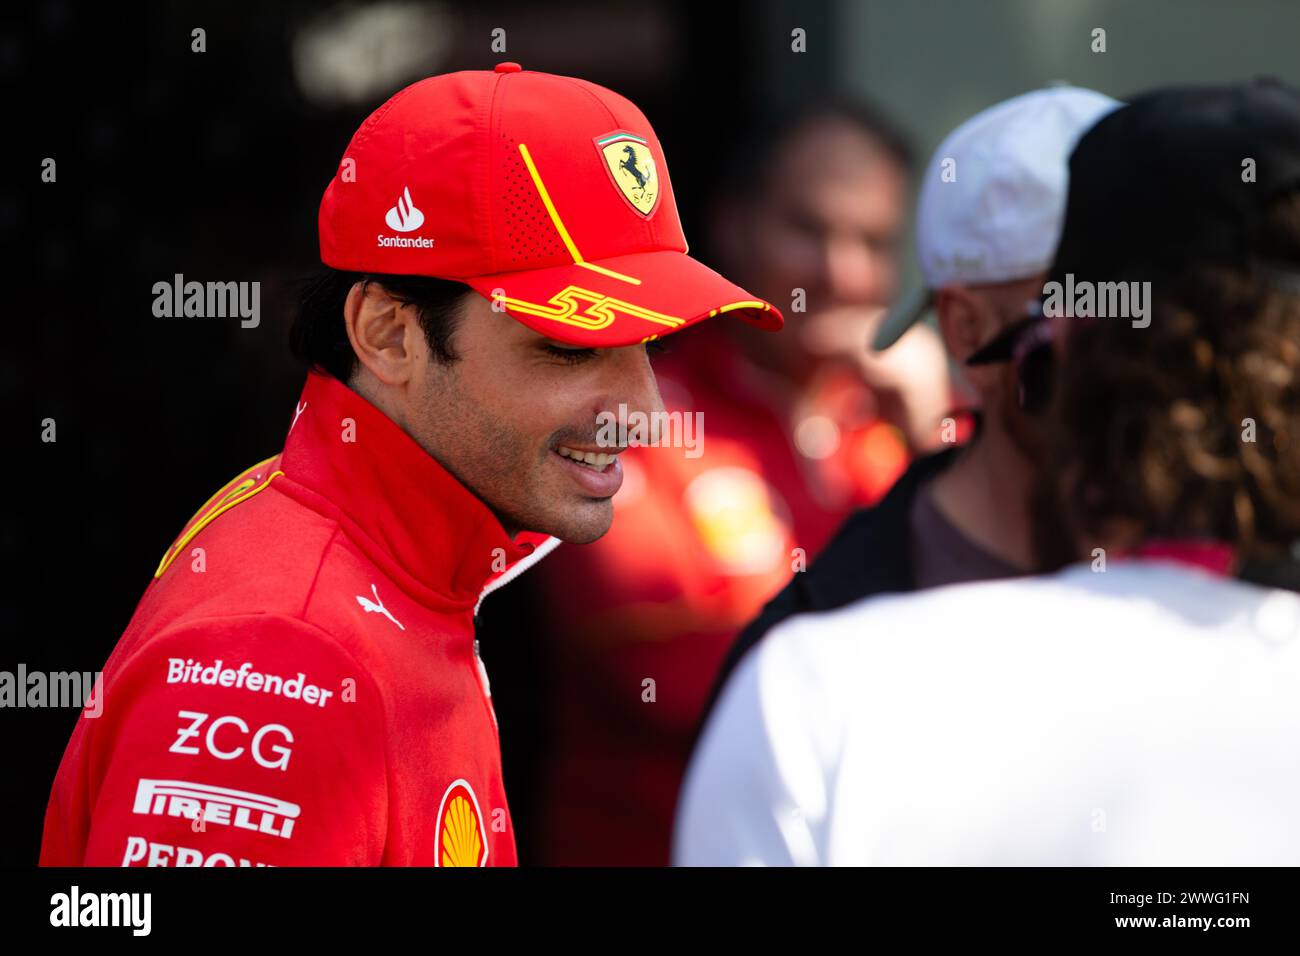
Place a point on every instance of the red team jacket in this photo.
(300, 684)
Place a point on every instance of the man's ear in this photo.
(961, 321)
(385, 333)
(966, 322)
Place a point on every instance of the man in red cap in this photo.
(300, 683)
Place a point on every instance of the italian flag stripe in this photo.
(617, 136)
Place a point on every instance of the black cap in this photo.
(1163, 182)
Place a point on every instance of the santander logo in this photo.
(404, 217)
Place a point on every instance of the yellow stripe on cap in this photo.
(608, 272)
(558, 223)
(731, 307)
(550, 206)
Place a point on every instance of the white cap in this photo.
(993, 196)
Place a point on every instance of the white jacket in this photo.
(1146, 715)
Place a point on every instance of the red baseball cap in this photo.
(546, 193)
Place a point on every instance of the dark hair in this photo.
(759, 149)
(862, 115)
(318, 336)
(1148, 427)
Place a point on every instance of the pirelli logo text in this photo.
(219, 805)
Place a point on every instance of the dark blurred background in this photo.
(212, 165)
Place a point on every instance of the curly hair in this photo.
(1188, 427)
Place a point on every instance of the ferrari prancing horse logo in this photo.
(632, 169)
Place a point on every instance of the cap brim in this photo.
(902, 315)
(624, 300)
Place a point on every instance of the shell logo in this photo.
(461, 840)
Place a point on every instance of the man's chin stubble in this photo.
(584, 522)
(591, 522)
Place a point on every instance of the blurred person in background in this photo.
(1138, 707)
(819, 224)
(988, 219)
(792, 439)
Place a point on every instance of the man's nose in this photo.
(634, 382)
(854, 272)
(646, 386)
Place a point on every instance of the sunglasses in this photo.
(1028, 343)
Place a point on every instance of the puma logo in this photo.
(377, 606)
